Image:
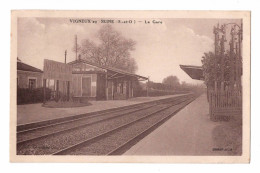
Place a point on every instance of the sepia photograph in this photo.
(130, 86)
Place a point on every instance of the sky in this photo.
(160, 48)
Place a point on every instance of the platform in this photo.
(189, 132)
(35, 112)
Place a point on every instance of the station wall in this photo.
(84, 85)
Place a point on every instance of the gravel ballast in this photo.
(52, 144)
(111, 142)
(73, 124)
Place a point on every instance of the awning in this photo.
(195, 72)
(113, 73)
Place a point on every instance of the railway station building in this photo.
(95, 82)
(88, 81)
(101, 83)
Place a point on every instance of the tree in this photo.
(172, 81)
(209, 67)
(184, 85)
(113, 50)
(212, 69)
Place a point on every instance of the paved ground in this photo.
(189, 132)
(35, 112)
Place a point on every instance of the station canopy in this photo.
(195, 72)
(112, 73)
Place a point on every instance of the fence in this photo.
(29, 96)
(223, 104)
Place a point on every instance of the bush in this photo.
(27, 96)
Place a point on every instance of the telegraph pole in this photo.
(147, 86)
(65, 56)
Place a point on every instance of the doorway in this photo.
(86, 86)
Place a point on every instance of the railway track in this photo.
(88, 135)
(53, 129)
(45, 123)
(32, 131)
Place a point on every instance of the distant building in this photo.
(28, 76)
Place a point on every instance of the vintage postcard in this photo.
(130, 86)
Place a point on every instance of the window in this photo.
(32, 83)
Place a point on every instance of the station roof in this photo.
(114, 73)
(25, 67)
(195, 72)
